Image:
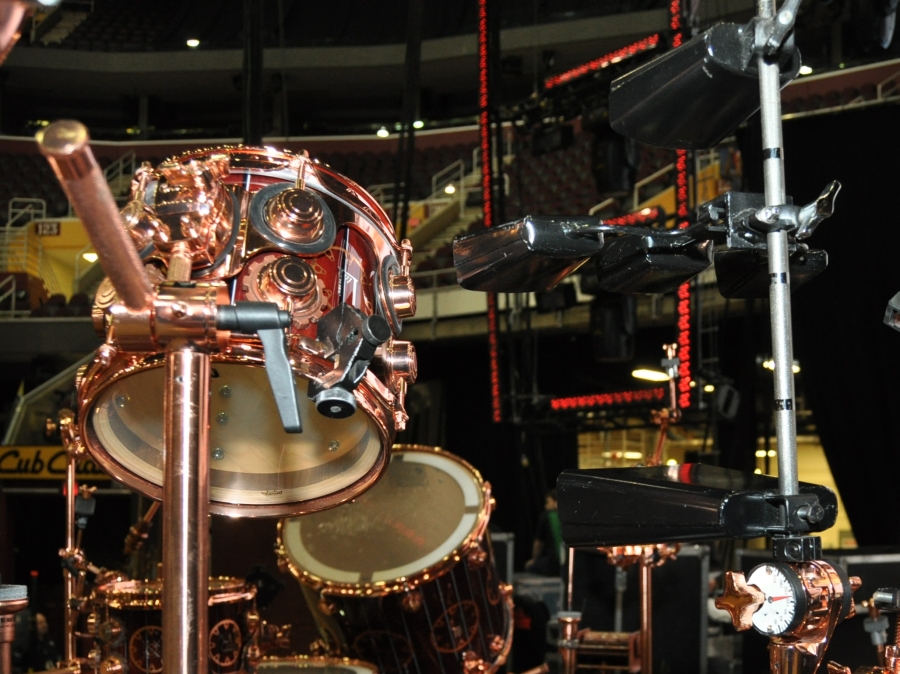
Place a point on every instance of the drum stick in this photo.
(65, 145)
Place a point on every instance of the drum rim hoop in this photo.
(319, 659)
(98, 378)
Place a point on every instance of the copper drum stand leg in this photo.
(646, 616)
(69, 577)
(13, 598)
(186, 510)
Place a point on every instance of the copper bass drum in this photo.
(126, 622)
(404, 576)
(262, 226)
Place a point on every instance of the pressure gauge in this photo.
(785, 601)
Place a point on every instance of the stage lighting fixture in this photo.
(383, 132)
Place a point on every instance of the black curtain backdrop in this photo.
(850, 360)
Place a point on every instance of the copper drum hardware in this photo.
(395, 580)
(302, 664)
(258, 225)
(128, 617)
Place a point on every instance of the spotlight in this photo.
(709, 388)
(806, 70)
(382, 133)
(450, 188)
(90, 257)
(193, 43)
(649, 375)
(418, 124)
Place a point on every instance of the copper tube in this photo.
(13, 598)
(646, 617)
(185, 517)
(65, 144)
(137, 533)
(69, 578)
(568, 640)
(11, 14)
(569, 582)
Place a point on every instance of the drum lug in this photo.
(476, 558)
(472, 663)
(326, 607)
(412, 601)
(112, 665)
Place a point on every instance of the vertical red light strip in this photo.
(484, 123)
(682, 211)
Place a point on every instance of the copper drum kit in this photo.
(126, 623)
(277, 228)
(395, 580)
(251, 368)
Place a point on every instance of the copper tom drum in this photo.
(404, 576)
(263, 226)
(127, 624)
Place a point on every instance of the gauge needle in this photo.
(787, 596)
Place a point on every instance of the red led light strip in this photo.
(683, 306)
(615, 398)
(484, 124)
(675, 22)
(602, 62)
(639, 218)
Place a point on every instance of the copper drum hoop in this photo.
(259, 470)
(373, 411)
(314, 665)
(401, 611)
(129, 629)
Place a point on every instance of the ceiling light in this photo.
(771, 453)
(709, 388)
(418, 124)
(806, 70)
(649, 375)
(193, 43)
(90, 257)
(382, 133)
(671, 462)
(450, 188)
(760, 454)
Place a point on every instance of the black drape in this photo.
(850, 360)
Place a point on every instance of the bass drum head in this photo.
(424, 509)
(253, 463)
(314, 665)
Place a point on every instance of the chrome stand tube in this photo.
(186, 512)
(779, 273)
(70, 578)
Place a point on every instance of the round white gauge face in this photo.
(785, 603)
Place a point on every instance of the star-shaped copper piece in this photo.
(740, 600)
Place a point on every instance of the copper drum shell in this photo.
(130, 629)
(413, 597)
(308, 247)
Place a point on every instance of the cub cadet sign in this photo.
(43, 463)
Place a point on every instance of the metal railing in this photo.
(8, 293)
(22, 210)
(22, 251)
(120, 173)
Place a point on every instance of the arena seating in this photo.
(165, 25)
